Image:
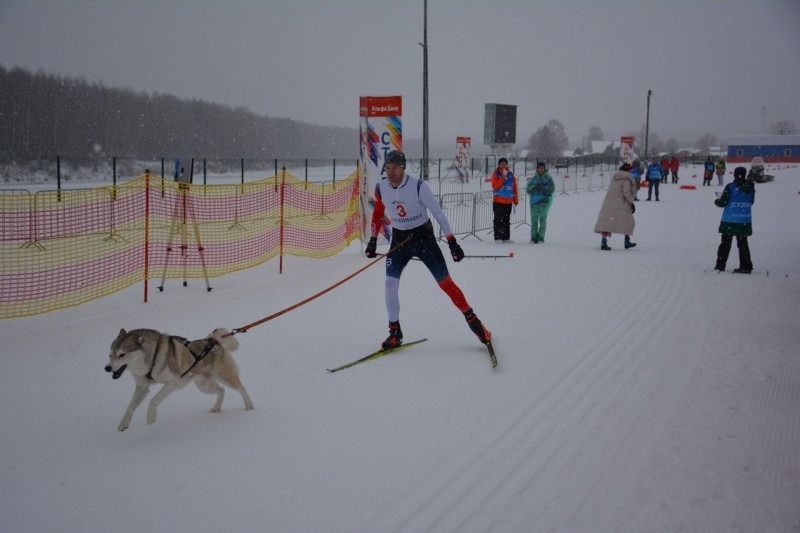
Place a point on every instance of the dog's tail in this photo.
(225, 339)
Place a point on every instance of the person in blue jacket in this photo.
(636, 172)
(653, 175)
(737, 220)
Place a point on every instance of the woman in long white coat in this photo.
(616, 214)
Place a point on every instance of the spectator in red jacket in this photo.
(664, 169)
(674, 165)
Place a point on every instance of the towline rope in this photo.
(244, 329)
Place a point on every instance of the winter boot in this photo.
(604, 244)
(745, 262)
(395, 337)
(484, 335)
(722, 253)
(628, 243)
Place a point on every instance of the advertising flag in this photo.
(626, 149)
(463, 158)
(381, 131)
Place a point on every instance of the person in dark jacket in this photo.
(737, 220)
(708, 171)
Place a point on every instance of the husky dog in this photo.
(153, 357)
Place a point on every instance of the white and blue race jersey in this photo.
(407, 206)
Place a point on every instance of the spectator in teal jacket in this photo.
(540, 190)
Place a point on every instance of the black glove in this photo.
(372, 246)
(455, 249)
(633, 208)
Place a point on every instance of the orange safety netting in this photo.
(64, 248)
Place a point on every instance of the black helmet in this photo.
(739, 173)
(396, 157)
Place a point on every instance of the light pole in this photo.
(647, 125)
(424, 45)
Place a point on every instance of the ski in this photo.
(492, 356)
(375, 355)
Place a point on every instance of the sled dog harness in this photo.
(197, 357)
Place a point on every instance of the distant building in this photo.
(716, 151)
(600, 147)
(772, 148)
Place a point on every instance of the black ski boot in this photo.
(395, 337)
(604, 244)
(477, 327)
(628, 243)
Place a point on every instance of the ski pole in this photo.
(510, 254)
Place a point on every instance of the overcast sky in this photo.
(724, 67)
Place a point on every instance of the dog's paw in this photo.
(215, 409)
(249, 407)
(151, 416)
(124, 423)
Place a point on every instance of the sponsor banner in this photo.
(463, 158)
(626, 149)
(381, 131)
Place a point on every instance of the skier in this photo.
(407, 202)
(737, 220)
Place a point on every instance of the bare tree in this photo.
(784, 127)
(705, 141)
(595, 134)
(549, 140)
(672, 145)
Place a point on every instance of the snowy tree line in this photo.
(45, 115)
(551, 139)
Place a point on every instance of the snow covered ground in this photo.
(636, 391)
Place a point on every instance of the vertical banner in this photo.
(626, 149)
(381, 131)
(463, 158)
